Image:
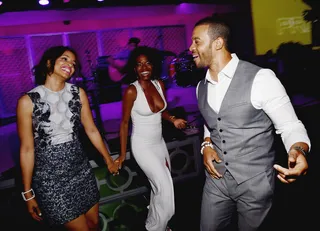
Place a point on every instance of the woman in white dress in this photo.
(144, 101)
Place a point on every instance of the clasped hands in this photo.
(115, 165)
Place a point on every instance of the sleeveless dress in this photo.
(63, 180)
(151, 154)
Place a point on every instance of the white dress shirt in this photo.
(268, 94)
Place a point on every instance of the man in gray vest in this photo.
(242, 104)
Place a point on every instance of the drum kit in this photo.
(182, 70)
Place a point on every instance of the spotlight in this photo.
(100, 0)
(66, 1)
(1, 3)
(43, 2)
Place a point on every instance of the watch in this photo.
(298, 148)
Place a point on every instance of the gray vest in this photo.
(242, 135)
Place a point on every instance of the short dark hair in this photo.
(134, 40)
(217, 28)
(154, 57)
(43, 68)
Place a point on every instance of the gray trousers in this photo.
(251, 200)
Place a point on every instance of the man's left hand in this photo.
(297, 166)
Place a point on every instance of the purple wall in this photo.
(32, 22)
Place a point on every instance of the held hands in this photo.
(297, 166)
(113, 166)
(119, 161)
(209, 156)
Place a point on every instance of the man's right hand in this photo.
(210, 155)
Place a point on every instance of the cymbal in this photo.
(168, 53)
(185, 53)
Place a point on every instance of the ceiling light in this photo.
(43, 2)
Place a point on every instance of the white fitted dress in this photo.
(151, 153)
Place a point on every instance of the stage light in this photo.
(66, 1)
(100, 0)
(43, 2)
(0, 3)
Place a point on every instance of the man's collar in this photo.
(228, 70)
(231, 66)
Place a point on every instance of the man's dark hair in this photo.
(134, 40)
(217, 28)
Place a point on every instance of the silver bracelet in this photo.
(206, 145)
(30, 198)
(299, 148)
(205, 142)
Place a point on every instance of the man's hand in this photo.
(297, 165)
(210, 155)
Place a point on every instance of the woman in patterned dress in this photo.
(58, 182)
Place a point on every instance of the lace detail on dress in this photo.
(75, 108)
(41, 122)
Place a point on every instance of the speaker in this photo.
(102, 76)
(316, 33)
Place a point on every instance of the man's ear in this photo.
(219, 43)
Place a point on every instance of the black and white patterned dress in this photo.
(63, 180)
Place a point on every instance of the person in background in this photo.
(118, 62)
(145, 103)
(131, 45)
(59, 185)
(242, 104)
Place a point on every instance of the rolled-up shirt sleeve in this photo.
(269, 94)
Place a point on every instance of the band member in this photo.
(118, 62)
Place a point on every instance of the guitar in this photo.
(114, 67)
